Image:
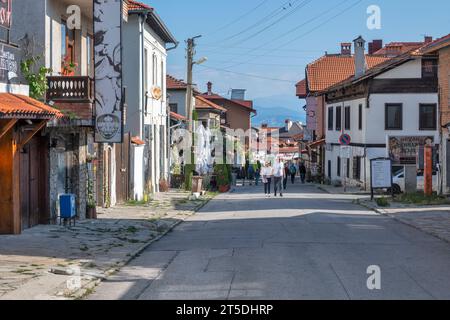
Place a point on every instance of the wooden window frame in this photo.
(339, 118)
(330, 118)
(434, 105)
(386, 107)
(347, 117)
(360, 117)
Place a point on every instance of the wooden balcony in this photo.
(70, 89)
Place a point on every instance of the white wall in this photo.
(409, 70)
(178, 97)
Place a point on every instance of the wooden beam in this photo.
(10, 124)
(32, 133)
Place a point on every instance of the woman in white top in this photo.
(267, 174)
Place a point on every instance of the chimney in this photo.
(428, 39)
(209, 84)
(264, 126)
(238, 94)
(375, 45)
(360, 56)
(288, 124)
(346, 48)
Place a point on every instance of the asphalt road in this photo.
(307, 245)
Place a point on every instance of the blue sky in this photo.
(275, 43)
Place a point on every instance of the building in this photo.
(321, 74)
(441, 49)
(146, 42)
(389, 110)
(24, 145)
(239, 111)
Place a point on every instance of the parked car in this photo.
(398, 182)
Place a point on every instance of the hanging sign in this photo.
(108, 71)
(5, 13)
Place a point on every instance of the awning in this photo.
(16, 106)
(137, 141)
(316, 143)
(177, 116)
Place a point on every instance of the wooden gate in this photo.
(123, 169)
(34, 191)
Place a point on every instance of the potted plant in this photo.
(91, 207)
(69, 67)
(223, 178)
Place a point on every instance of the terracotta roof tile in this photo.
(397, 48)
(202, 103)
(20, 106)
(174, 83)
(137, 141)
(332, 69)
(243, 103)
(177, 116)
(135, 5)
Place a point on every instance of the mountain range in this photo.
(274, 110)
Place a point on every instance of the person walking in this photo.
(267, 173)
(278, 175)
(302, 170)
(293, 172)
(257, 172)
(251, 174)
(286, 176)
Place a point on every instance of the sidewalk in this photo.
(40, 263)
(340, 190)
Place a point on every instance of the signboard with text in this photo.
(108, 71)
(381, 173)
(403, 150)
(9, 64)
(5, 13)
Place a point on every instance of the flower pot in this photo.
(224, 189)
(91, 213)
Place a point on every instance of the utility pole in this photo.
(190, 91)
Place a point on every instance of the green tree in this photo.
(35, 76)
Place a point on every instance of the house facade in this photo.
(388, 111)
(146, 42)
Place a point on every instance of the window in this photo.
(394, 116)
(427, 117)
(347, 118)
(429, 68)
(90, 55)
(163, 80)
(338, 166)
(145, 67)
(360, 110)
(338, 118)
(67, 45)
(173, 107)
(347, 170)
(357, 168)
(155, 70)
(329, 169)
(330, 118)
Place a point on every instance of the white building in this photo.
(145, 38)
(382, 110)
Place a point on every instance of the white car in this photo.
(398, 182)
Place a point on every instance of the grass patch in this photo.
(421, 199)
(382, 202)
(135, 203)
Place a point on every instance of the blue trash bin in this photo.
(67, 206)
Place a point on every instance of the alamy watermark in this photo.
(374, 19)
(374, 280)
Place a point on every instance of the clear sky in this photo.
(275, 39)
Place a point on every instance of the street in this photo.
(307, 245)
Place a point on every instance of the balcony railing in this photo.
(69, 89)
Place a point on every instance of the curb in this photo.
(385, 213)
(89, 286)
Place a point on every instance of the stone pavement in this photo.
(434, 220)
(96, 247)
(307, 245)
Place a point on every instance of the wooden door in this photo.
(123, 165)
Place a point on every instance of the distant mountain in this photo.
(276, 116)
(275, 110)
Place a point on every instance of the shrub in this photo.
(382, 202)
(223, 174)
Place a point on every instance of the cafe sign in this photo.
(5, 13)
(403, 150)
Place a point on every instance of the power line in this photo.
(240, 17)
(264, 19)
(300, 6)
(297, 38)
(248, 75)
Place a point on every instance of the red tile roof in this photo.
(434, 45)
(202, 103)
(177, 116)
(332, 69)
(397, 48)
(137, 141)
(23, 107)
(135, 5)
(243, 103)
(174, 83)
